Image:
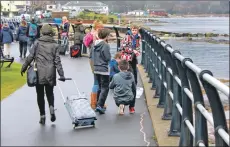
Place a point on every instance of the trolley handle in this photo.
(60, 79)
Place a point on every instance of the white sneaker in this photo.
(121, 109)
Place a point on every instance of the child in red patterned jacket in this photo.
(131, 49)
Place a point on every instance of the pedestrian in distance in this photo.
(33, 32)
(6, 38)
(21, 36)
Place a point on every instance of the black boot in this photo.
(52, 114)
(42, 119)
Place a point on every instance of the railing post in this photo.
(156, 84)
(175, 126)
(186, 138)
(201, 132)
(118, 38)
(218, 113)
(147, 54)
(150, 59)
(157, 70)
(146, 50)
(153, 63)
(167, 115)
(162, 72)
(142, 46)
(169, 81)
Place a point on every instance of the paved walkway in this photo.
(20, 116)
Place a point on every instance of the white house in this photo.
(136, 13)
(79, 6)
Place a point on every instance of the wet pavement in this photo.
(20, 116)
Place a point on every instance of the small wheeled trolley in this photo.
(79, 109)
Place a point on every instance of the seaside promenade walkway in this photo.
(20, 116)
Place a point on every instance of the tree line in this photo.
(172, 7)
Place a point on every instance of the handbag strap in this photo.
(35, 55)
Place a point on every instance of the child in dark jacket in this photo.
(114, 65)
(6, 38)
(124, 87)
(101, 57)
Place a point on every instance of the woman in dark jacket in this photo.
(46, 52)
(79, 30)
(22, 38)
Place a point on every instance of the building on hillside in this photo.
(136, 13)
(12, 8)
(157, 12)
(79, 6)
(42, 5)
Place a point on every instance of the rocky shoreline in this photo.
(199, 37)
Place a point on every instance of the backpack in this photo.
(88, 39)
(127, 50)
(33, 30)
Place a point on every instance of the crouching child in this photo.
(124, 87)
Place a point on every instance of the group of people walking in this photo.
(25, 35)
(118, 74)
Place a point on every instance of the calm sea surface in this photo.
(214, 57)
(194, 25)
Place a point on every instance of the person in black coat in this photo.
(46, 53)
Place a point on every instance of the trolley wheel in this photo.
(74, 127)
(93, 123)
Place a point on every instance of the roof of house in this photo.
(157, 10)
(137, 11)
(85, 3)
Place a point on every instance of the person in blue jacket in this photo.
(6, 38)
(114, 65)
(22, 38)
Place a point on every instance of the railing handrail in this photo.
(210, 79)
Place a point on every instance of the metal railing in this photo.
(178, 84)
